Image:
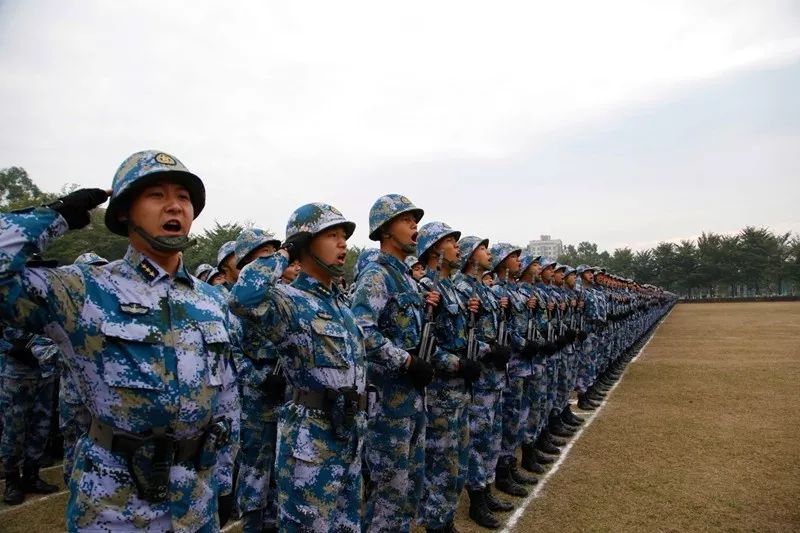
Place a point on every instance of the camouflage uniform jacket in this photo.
(147, 350)
(517, 324)
(389, 308)
(486, 322)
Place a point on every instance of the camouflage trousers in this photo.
(73, 421)
(565, 382)
(486, 431)
(256, 493)
(537, 398)
(516, 407)
(394, 452)
(318, 476)
(446, 461)
(551, 372)
(26, 420)
(587, 366)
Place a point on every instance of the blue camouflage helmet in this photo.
(386, 208)
(559, 266)
(547, 263)
(90, 258)
(204, 268)
(430, 234)
(310, 219)
(569, 270)
(226, 250)
(142, 169)
(367, 256)
(585, 268)
(411, 260)
(467, 246)
(501, 251)
(526, 260)
(250, 239)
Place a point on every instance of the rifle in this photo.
(427, 341)
(472, 341)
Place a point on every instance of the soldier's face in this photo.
(537, 269)
(570, 280)
(588, 276)
(330, 246)
(487, 280)
(512, 263)
(403, 228)
(547, 274)
(483, 257)
(418, 271)
(291, 272)
(449, 248)
(163, 209)
(228, 267)
(558, 277)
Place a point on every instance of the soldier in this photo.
(447, 431)
(318, 457)
(203, 271)
(148, 345)
(27, 377)
(74, 418)
(594, 314)
(390, 310)
(291, 272)
(486, 407)
(506, 265)
(488, 278)
(262, 389)
(226, 264)
(416, 268)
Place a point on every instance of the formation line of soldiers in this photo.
(362, 410)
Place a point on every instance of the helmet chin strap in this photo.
(335, 271)
(164, 244)
(407, 248)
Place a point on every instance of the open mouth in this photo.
(172, 226)
(340, 258)
(414, 237)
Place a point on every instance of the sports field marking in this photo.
(514, 518)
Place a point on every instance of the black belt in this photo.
(118, 441)
(323, 400)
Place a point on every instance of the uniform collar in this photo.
(307, 283)
(150, 271)
(388, 259)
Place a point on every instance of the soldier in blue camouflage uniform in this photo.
(389, 308)
(318, 457)
(203, 271)
(447, 431)
(486, 408)
(73, 416)
(416, 268)
(27, 377)
(516, 406)
(594, 319)
(148, 346)
(262, 390)
(575, 344)
(226, 264)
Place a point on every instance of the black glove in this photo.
(469, 370)
(224, 508)
(23, 354)
(275, 387)
(582, 336)
(530, 350)
(571, 335)
(498, 356)
(294, 244)
(550, 348)
(420, 372)
(75, 206)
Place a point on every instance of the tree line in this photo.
(755, 261)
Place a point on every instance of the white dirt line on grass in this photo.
(27, 503)
(514, 518)
(230, 526)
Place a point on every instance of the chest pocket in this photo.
(409, 301)
(216, 343)
(133, 355)
(330, 343)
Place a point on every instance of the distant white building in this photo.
(546, 246)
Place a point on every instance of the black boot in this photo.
(595, 398)
(13, 495)
(479, 512)
(521, 477)
(569, 415)
(554, 440)
(529, 461)
(585, 404)
(494, 503)
(504, 482)
(544, 459)
(544, 445)
(33, 484)
(555, 427)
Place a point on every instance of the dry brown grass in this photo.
(701, 434)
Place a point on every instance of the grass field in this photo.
(702, 433)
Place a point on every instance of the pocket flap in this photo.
(214, 332)
(131, 331)
(328, 328)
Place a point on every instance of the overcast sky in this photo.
(622, 123)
